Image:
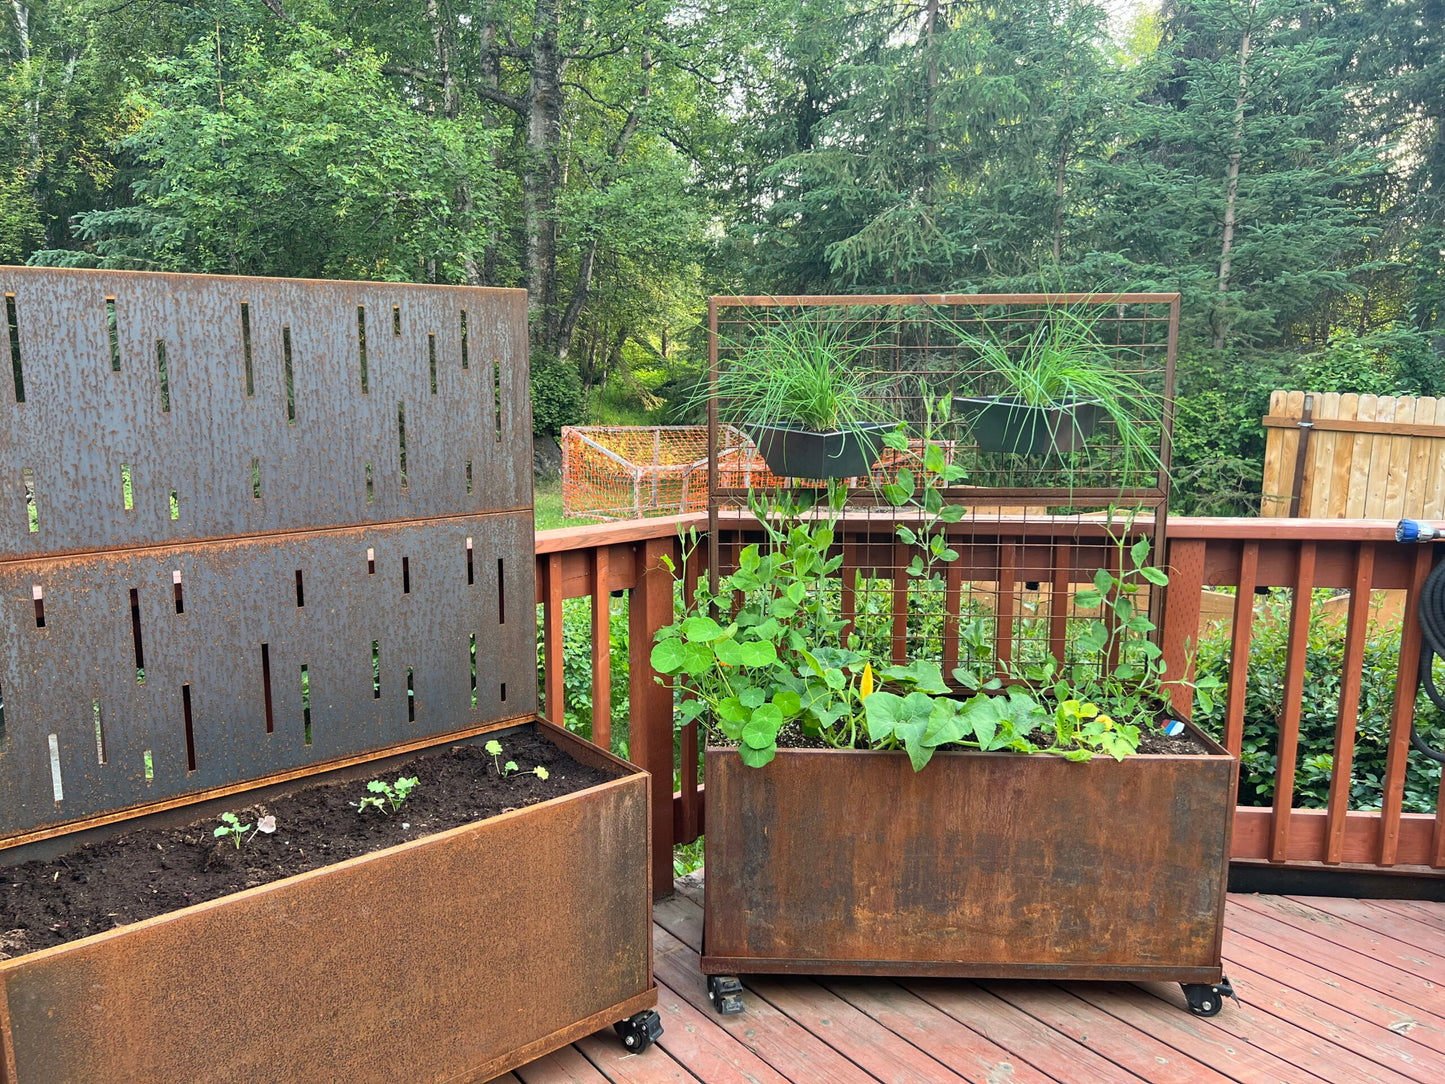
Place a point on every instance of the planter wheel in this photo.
(639, 1032)
(726, 994)
(1207, 1000)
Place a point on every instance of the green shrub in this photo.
(556, 395)
(1264, 703)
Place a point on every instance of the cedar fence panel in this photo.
(1345, 456)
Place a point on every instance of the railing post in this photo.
(1296, 655)
(1403, 713)
(1181, 619)
(552, 685)
(601, 650)
(651, 731)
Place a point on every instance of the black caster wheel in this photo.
(1207, 1000)
(726, 994)
(639, 1032)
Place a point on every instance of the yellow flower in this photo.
(1108, 722)
(865, 685)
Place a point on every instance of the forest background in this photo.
(1280, 162)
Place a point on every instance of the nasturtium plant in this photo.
(764, 652)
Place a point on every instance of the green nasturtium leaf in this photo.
(757, 758)
(761, 730)
(728, 652)
(731, 709)
(697, 659)
(788, 702)
(702, 629)
(669, 656)
(757, 653)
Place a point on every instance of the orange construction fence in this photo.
(632, 471)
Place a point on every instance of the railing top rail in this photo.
(1205, 528)
(1255, 529)
(729, 301)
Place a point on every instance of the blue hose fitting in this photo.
(1414, 530)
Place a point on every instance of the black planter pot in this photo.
(801, 453)
(1004, 424)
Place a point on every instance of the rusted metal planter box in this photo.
(453, 957)
(988, 865)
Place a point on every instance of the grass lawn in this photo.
(548, 506)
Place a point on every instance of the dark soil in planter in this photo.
(1153, 742)
(156, 870)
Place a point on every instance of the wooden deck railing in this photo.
(1358, 555)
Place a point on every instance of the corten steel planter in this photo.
(985, 865)
(455, 956)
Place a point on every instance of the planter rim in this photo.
(1216, 752)
(1016, 401)
(785, 427)
(632, 772)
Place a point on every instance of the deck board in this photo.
(1329, 987)
(1330, 990)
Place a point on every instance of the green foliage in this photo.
(1319, 710)
(832, 146)
(781, 658)
(387, 797)
(801, 372)
(784, 659)
(312, 165)
(1059, 363)
(577, 641)
(557, 398)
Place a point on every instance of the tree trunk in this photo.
(491, 80)
(1231, 184)
(583, 285)
(541, 171)
(451, 109)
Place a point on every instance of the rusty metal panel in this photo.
(985, 864)
(242, 635)
(427, 961)
(209, 433)
(202, 492)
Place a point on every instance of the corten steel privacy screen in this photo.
(252, 527)
(1035, 525)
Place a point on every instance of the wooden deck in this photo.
(1332, 990)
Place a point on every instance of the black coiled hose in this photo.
(1432, 625)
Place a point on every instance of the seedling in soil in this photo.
(494, 750)
(231, 826)
(387, 797)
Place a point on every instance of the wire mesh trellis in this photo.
(1035, 529)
